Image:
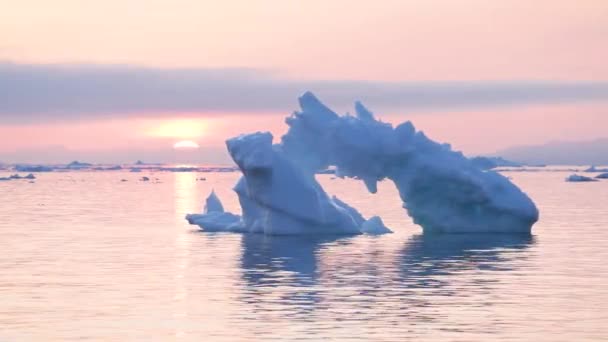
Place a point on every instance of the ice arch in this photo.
(441, 189)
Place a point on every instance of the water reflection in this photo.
(446, 253)
(427, 259)
(185, 201)
(283, 270)
(295, 275)
(267, 260)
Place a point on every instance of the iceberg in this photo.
(579, 178)
(214, 218)
(33, 168)
(592, 168)
(17, 176)
(602, 176)
(441, 189)
(76, 165)
(487, 163)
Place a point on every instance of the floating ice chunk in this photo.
(214, 218)
(213, 204)
(33, 168)
(442, 190)
(17, 176)
(76, 165)
(487, 163)
(595, 169)
(216, 221)
(579, 178)
(374, 226)
(602, 175)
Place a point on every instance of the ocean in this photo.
(85, 256)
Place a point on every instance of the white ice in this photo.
(276, 197)
(212, 203)
(442, 190)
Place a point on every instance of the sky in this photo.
(116, 81)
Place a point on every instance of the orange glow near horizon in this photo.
(186, 144)
(184, 129)
(177, 129)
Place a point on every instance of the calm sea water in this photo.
(84, 256)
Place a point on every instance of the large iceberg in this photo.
(441, 189)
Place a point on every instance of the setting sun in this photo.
(179, 129)
(185, 144)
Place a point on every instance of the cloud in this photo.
(43, 93)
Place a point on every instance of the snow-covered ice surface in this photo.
(579, 178)
(441, 189)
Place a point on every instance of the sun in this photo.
(185, 144)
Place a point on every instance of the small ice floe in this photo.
(17, 176)
(76, 165)
(144, 179)
(201, 179)
(602, 175)
(579, 178)
(595, 169)
(124, 180)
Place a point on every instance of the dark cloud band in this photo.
(64, 92)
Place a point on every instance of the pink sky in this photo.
(351, 40)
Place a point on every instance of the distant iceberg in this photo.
(487, 163)
(442, 190)
(595, 169)
(579, 178)
(602, 176)
(17, 176)
(33, 168)
(76, 165)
